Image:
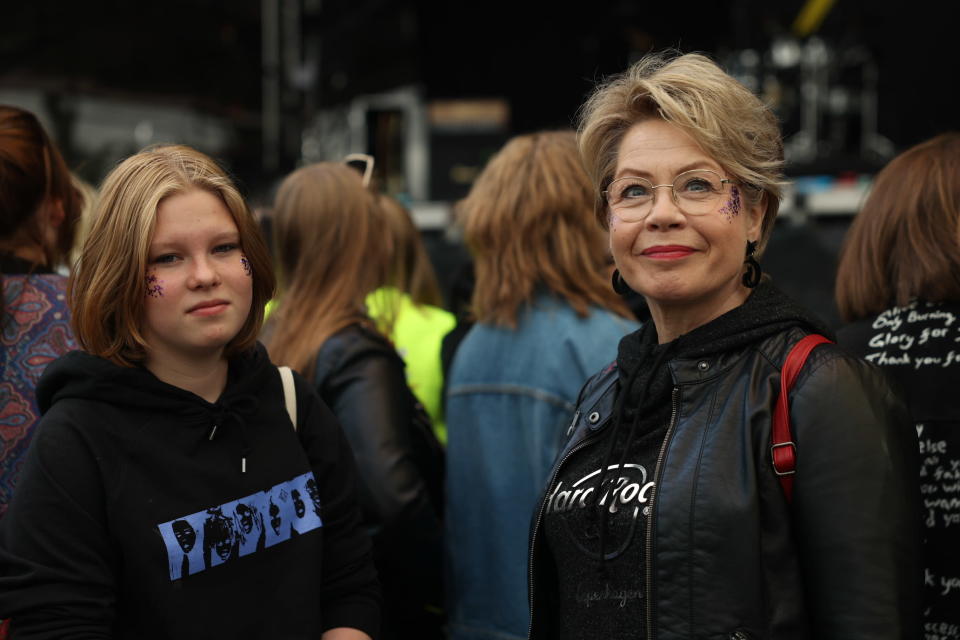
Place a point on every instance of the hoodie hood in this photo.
(135, 389)
(81, 375)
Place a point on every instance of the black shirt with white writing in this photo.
(919, 347)
(602, 599)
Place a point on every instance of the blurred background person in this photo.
(547, 318)
(898, 284)
(333, 250)
(409, 310)
(39, 207)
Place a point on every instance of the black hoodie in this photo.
(145, 511)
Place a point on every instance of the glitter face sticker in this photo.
(247, 269)
(732, 209)
(154, 286)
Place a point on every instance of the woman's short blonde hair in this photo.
(107, 288)
(528, 223)
(730, 124)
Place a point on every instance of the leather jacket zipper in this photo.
(536, 525)
(653, 497)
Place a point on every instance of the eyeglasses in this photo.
(695, 193)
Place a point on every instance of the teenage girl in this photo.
(170, 491)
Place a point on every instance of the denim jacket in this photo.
(510, 398)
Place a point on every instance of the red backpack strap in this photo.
(783, 451)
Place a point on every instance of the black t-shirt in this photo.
(602, 599)
(919, 347)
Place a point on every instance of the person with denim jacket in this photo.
(546, 319)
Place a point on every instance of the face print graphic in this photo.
(314, 494)
(275, 519)
(245, 515)
(185, 534)
(298, 505)
(218, 536)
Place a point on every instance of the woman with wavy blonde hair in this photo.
(333, 249)
(166, 480)
(546, 318)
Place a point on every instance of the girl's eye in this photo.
(225, 248)
(166, 258)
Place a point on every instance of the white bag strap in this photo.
(289, 394)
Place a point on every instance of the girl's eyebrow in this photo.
(176, 240)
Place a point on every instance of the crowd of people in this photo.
(626, 430)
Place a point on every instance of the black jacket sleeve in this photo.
(856, 501)
(350, 595)
(57, 563)
(366, 389)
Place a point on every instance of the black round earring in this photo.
(752, 277)
(619, 284)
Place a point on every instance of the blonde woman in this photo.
(168, 492)
(664, 516)
(333, 251)
(546, 319)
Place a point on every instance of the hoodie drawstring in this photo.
(236, 410)
(618, 419)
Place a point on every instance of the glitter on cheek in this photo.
(247, 269)
(732, 209)
(154, 286)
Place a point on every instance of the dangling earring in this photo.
(619, 284)
(752, 277)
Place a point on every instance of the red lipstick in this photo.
(668, 252)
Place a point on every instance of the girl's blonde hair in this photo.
(528, 223)
(332, 250)
(107, 288)
(690, 91)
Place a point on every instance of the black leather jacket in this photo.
(727, 556)
(361, 377)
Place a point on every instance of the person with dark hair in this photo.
(38, 209)
(168, 419)
(898, 285)
(673, 510)
(546, 318)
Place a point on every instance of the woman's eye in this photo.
(697, 185)
(634, 190)
(225, 248)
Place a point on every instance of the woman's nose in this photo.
(664, 211)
